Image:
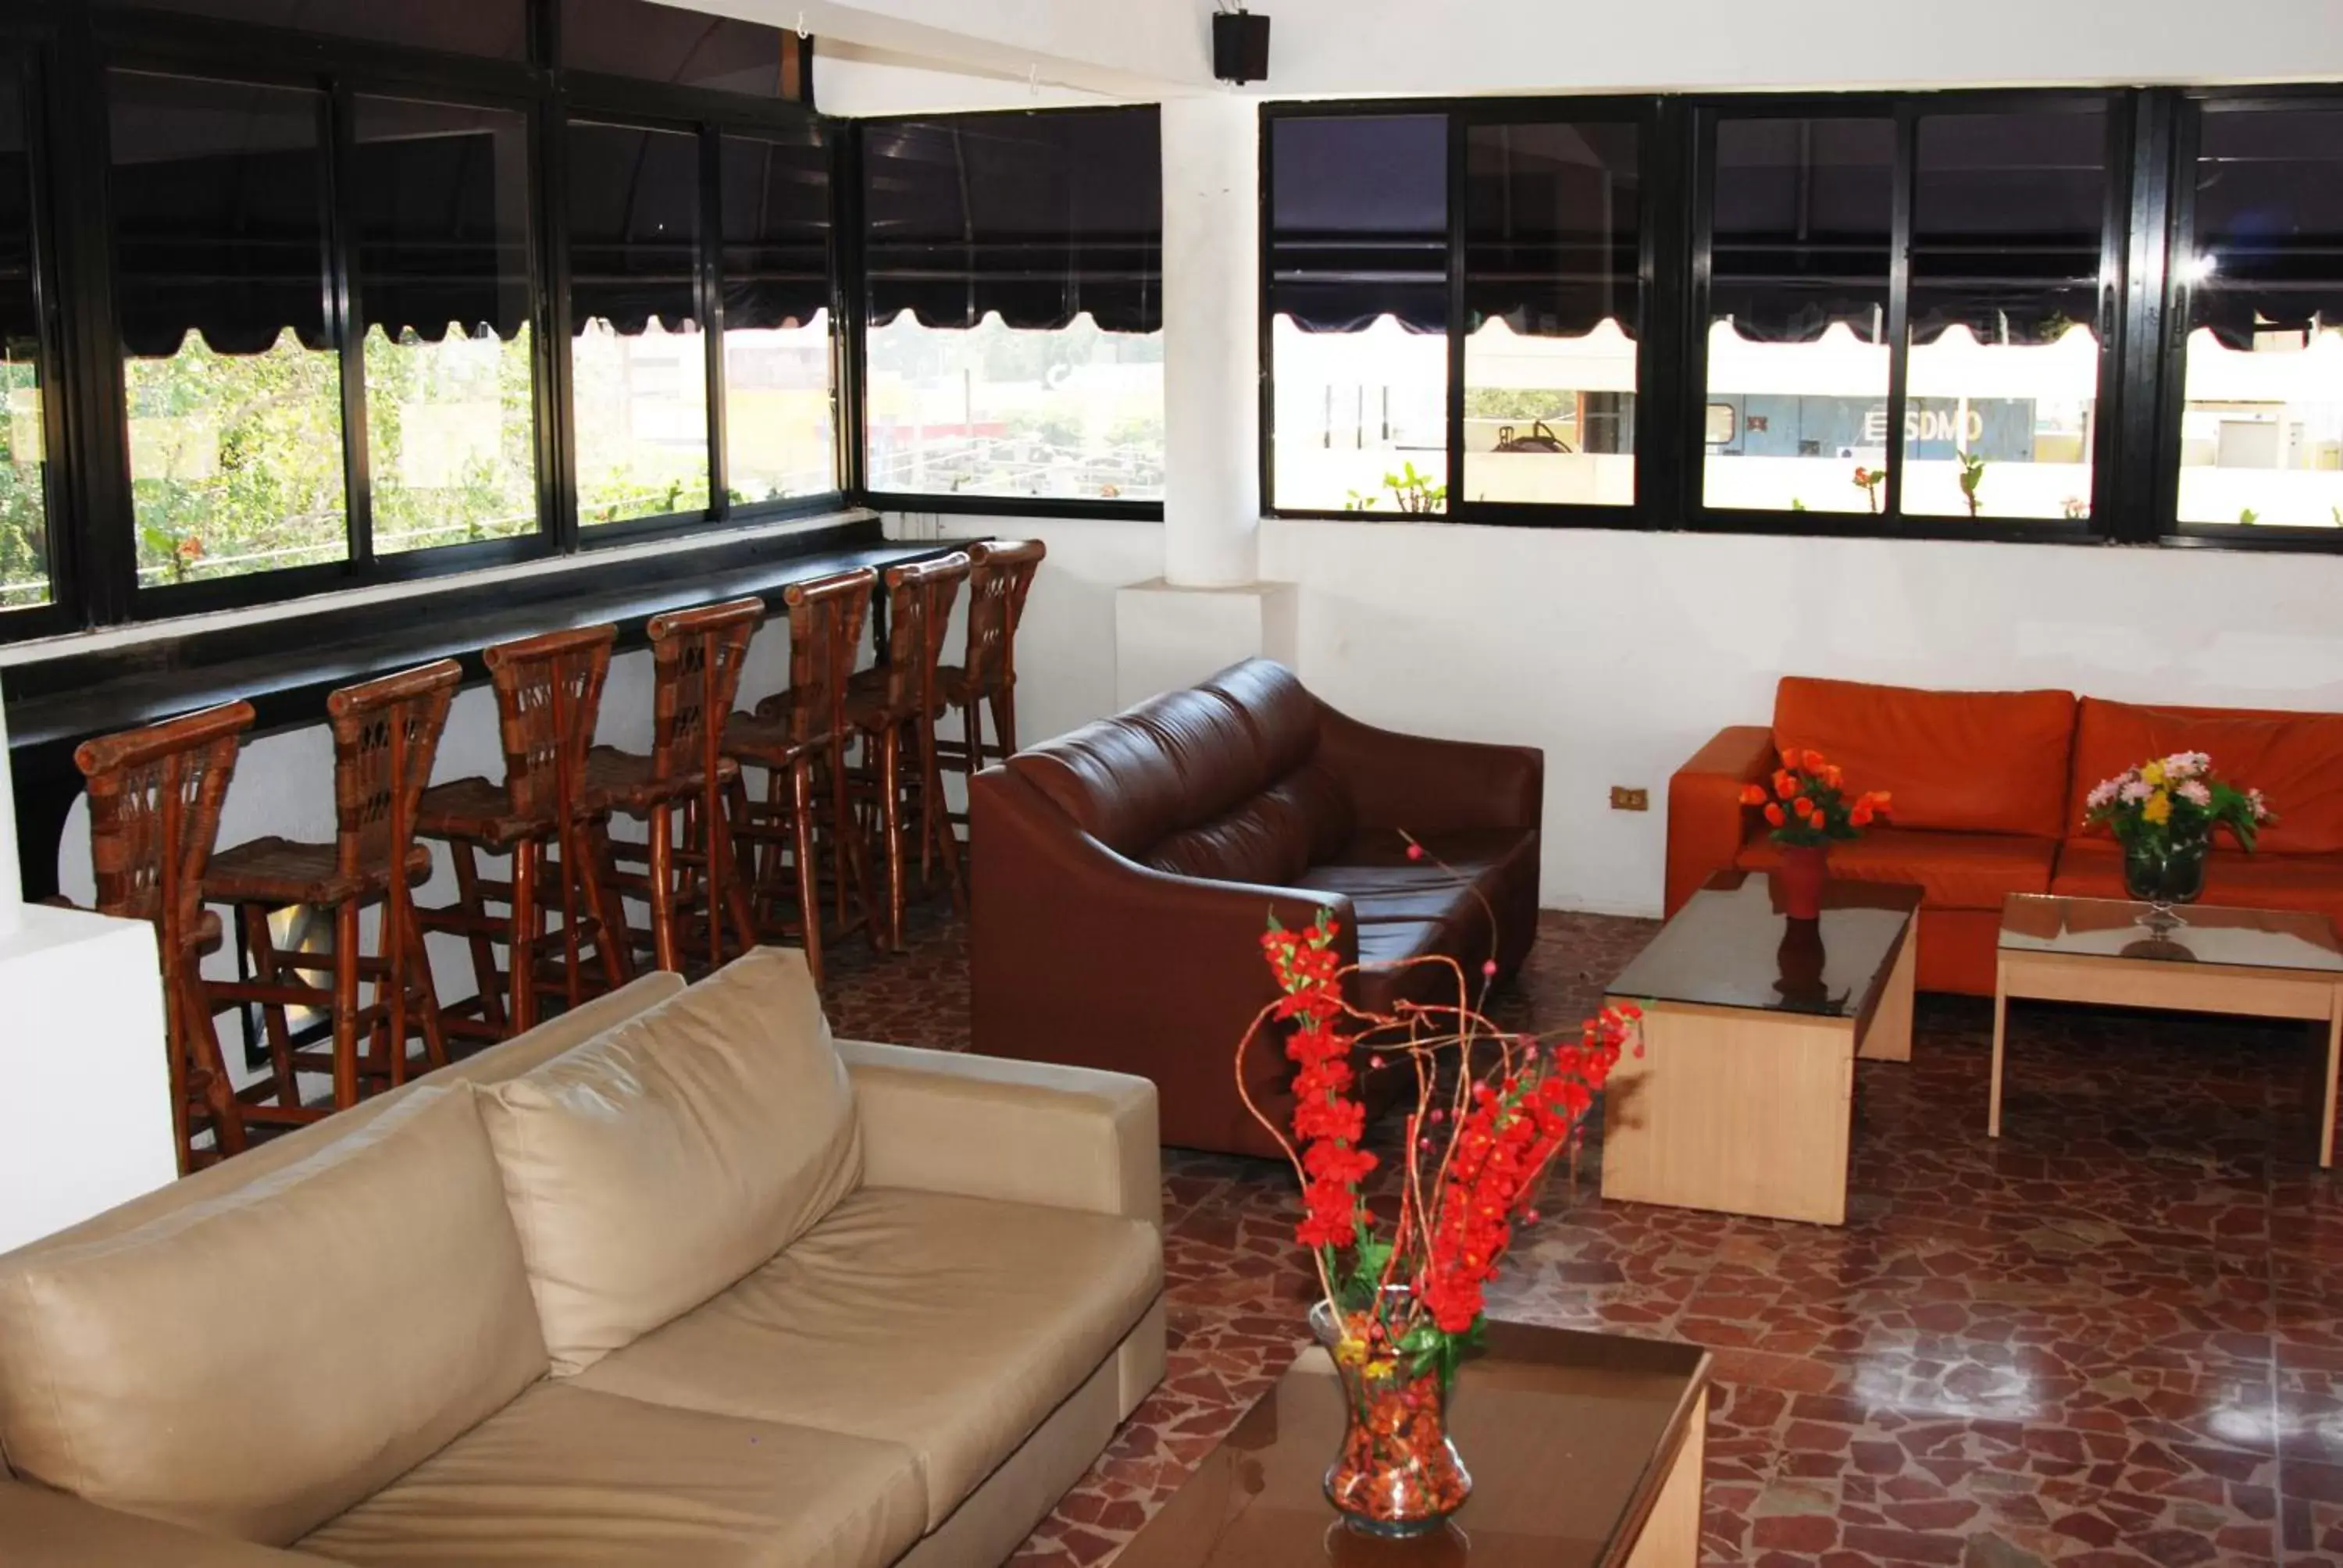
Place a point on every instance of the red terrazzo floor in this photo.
(2116, 1337)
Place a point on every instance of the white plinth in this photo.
(1166, 638)
(85, 1076)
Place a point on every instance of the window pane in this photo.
(777, 422)
(2009, 216)
(688, 48)
(1552, 291)
(444, 289)
(23, 482)
(2261, 437)
(233, 381)
(999, 410)
(1359, 304)
(496, 28)
(1015, 341)
(638, 361)
(1801, 220)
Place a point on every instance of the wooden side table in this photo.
(2261, 963)
(1743, 1100)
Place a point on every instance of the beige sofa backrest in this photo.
(296, 1301)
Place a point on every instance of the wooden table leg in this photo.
(2334, 1056)
(2000, 1030)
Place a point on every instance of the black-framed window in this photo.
(231, 349)
(446, 288)
(1356, 235)
(320, 264)
(1012, 342)
(24, 489)
(2260, 281)
(637, 352)
(1552, 281)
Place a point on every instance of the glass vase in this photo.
(1397, 1474)
(2165, 874)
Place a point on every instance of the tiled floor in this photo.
(2116, 1337)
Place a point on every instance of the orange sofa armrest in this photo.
(1706, 821)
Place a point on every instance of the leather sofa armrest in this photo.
(1706, 821)
(1424, 784)
(1024, 1132)
(44, 1529)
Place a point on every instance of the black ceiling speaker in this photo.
(1239, 46)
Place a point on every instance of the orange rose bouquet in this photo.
(1808, 803)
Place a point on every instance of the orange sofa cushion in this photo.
(1966, 761)
(2293, 758)
(1953, 871)
(2093, 869)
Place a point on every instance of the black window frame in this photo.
(847, 196)
(69, 44)
(2151, 142)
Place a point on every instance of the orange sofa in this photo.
(1988, 792)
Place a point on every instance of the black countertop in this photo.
(286, 667)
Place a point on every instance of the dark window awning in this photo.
(1359, 221)
(230, 246)
(1037, 216)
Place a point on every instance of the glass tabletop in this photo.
(2190, 934)
(1731, 946)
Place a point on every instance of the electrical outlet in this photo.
(1625, 800)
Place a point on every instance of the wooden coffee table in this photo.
(1743, 1100)
(2263, 963)
(1585, 1449)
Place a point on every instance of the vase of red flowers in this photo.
(1400, 1302)
(1808, 810)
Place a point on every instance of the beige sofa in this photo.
(673, 1280)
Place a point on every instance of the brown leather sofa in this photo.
(674, 1278)
(1122, 876)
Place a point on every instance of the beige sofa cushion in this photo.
(255, 1364)
(652, 1166)
(566, 1479)
(950, 1325)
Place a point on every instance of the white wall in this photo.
(1619, 653)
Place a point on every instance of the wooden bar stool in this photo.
(154, 799)
(386, 734)
(1000, 575)
(697, 656)
(548, 696)
(798, 737)
(899, 702)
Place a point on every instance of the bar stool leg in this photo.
(724, 869)
(808, 872)
(890, 829)
(484, 951)
(520, 947)
(612, 946)
(935, 820)
(270, 971)
(203, 1038)
(427, 993)
(390, 993)
(663, 872)
(346, 1004)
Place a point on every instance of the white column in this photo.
(1212, 344)
(85, 1075)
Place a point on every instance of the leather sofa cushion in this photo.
(1952, 870)
(1269, 839)
(253, 1364)
(1187, 760)
(949, 1325)
(2293, 758)
(564, 1477)
(2093, 869)
(657, 1163)
(1970, 762)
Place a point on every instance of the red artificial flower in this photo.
(1753, 795)
(1775, 815)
